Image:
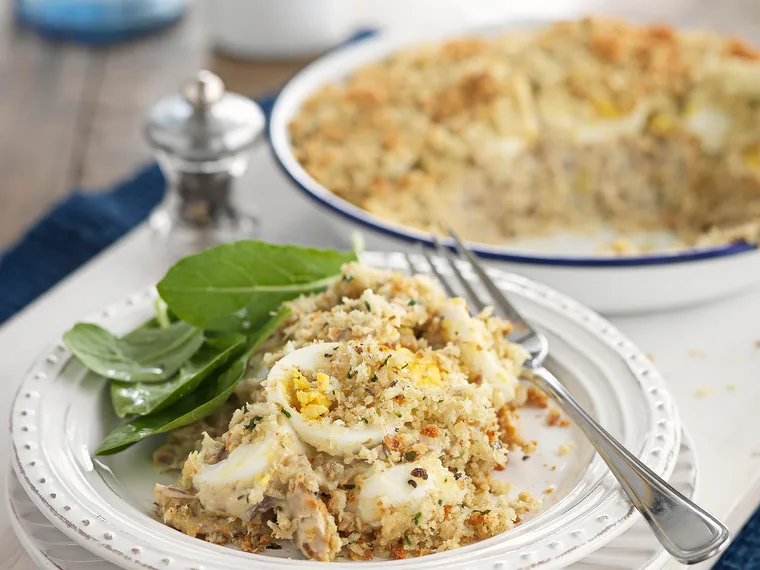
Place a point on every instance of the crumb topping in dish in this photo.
(371, 424)
(574, 126)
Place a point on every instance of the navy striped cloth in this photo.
(84, 224)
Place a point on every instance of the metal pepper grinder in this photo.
(202, 138)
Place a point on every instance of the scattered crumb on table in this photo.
(548, 490)
(704, 392)
(650, 356)
(554, 467)
(565, 449)
(731, 387)
(694, 353)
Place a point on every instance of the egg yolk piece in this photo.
(423, 370)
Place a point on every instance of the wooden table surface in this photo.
(70, 115)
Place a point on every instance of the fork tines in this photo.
(458, 267)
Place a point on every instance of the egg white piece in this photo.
(325, 435)
(237, 483)
(710, 125)
(476, 347)
(388, 487)
(558, 116)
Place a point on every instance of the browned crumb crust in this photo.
(505, 137)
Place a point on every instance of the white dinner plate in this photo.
(61, 414)
(608, 283)
(635, 549)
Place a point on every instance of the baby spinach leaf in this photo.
(208, 397)
(233, 287)
(146, 354)
(146, 397)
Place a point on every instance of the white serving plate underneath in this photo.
(61, 414)
(635, 549)
(609, 284)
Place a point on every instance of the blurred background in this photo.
(78, 76)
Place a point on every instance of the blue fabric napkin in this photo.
(84, 224)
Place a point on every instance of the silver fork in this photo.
(686, 531)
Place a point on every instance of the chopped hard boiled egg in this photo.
(476, 346)
(306, 403)
(407, 486)
(709, 124)
(237, 483)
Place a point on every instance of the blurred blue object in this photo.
(97, 21)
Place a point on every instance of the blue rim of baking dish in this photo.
(357, 215)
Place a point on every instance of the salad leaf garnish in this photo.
(201, 403)
(235, 286)
(142, 398)
(147, 354)
(205, 400)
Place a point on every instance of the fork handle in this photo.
(686, 531)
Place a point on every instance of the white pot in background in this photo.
(275, 29)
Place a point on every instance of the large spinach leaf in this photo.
(233, 287)
(142, 398)
(210, 396)
(207, 398)
(147, 354)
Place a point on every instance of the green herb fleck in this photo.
(481, 512)
(374, 378)
(349, 487)
(440, 502)
(348, 278)
(398, 415)
(350, 374)
(384, 362)
(417, 518)
(407, 541)
(252, 424)
(366, 304)
(404, 366)
(287, 413)
(413, 302)
(410, 455)
(274, 547)
(364, 420)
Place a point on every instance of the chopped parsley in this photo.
(405, 365)
(286, 412)
(365, 420)
(366, 304)
(348, 487)
(274, 547)
(384, 362)
(417, 518)
(348, 278)
(407, 541)
(252, 424)
(350, 374)
(481, 512)
(412, 302)
(410, 455)
(440, 502)
(374, 378)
